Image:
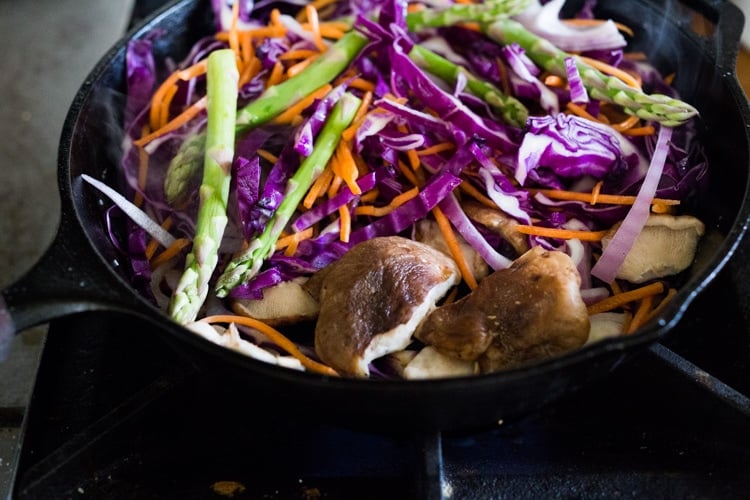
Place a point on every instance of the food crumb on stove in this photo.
(227, 488)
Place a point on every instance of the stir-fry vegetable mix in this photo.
(299, 130)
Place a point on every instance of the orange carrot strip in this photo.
(246, 47)
(581, 111)
(166, 104)
(554, 81)
(408, 173)
(595, 22)
(656, 310)
(450, 239)
(329, 31)
(277, 74)
(294, 238)
(640, 131)
(298, 54)
(370, 196)
(256, 33)
(641, 314)
(595, 192)
(504, 79)
(249, 71)
(296, 69)
(345, 218)
(319, 187)
(312, 19)
(349, 133)
(396, 202)
(436, 148)
(336, 183)
(266, 155)
(297, 108)
(158, 99)
(176, 122)
(317, 4)
(563, 234)
(346, 168)
(170, 252)
(626, 124)
(276, 337)
(623, 298)
(143, 161)
(613, 199)
(477, 195)
(234, 39)
(275, 18)
(608, 69)
(362, 84)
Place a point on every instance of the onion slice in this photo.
(136, 214)
(614, 255)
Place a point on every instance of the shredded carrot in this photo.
(294, 238)
(257, 33)
(336, 183)
(595, 22)
(640, 131)
(450, 239)
(612, 199)
(563, 234)
(157, 100)
(275, 18)
(436, 148)
(246, 47)
(314, 25)
(595, 192)
(296, 69)
(641, 314)
(170, 252)
(302, 15)
(667, 298)
(277, 74)
(408, 173)
(276, 337)
(234, 39)
(297, 108)
(620, 299)
(362, 84)
(477, 195)
(608, 69)
(669, 78)
(298, 54)
(319, 187)
(345, 218)
(581, 111)
(349, 133)
(554, 81)
(328, 30)
(346, 168)
(249, 71)
(370, 196)
(396, 202)
(470, 26)
(176, 122)
(143, 162)
(616, 288)
(626, 124)
(266, 155)
(166, 104)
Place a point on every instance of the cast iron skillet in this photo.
(82, 271)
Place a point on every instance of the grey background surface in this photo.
(49, 46)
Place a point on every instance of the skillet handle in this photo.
(69, 278)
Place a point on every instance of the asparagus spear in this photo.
(267, 106)
(510, 108)
(192, 289)
(657, 107)
(247, 264)
(458, 13)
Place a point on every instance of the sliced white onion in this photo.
(136, 214)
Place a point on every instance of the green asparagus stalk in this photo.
(482, 12)
(186, 164)
(510, 108)
(248, 263)
(657, 107)
(222, 78)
